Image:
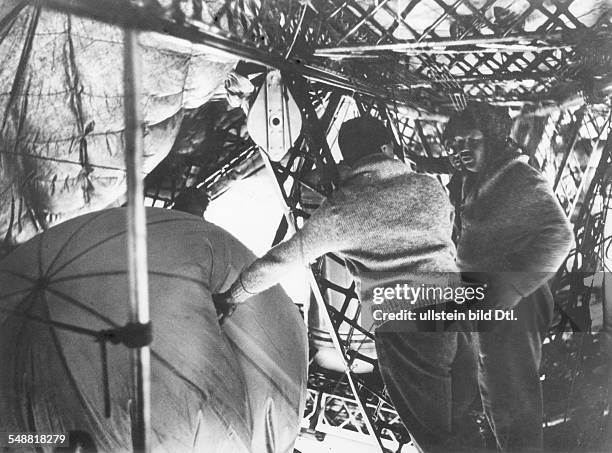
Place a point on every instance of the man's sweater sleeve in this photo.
(319, 235)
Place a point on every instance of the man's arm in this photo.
(548, 242)
(320, 235)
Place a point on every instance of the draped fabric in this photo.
(62, 111)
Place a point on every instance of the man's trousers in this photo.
(431, 380)
(508, 374)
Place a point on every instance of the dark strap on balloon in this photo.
(132, 335)
(105, 383)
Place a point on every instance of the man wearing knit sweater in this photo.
(514, 235)
(385, 221)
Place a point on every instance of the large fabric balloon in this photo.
(235, 388)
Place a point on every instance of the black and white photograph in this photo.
(305, 226)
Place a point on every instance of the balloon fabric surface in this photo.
(234, 388)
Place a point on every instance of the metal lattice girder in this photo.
(128, 14)
(577, 147)
(572, 155)
(533, 42)
(586, 196)
(425, 50)
(212, 149)
(568, 150)
(331, 409)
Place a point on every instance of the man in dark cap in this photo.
(513, 236)
(386, 222)
(192, 201)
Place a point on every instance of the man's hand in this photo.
(225, 306)
(455, 161)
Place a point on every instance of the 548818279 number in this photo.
(21, 439)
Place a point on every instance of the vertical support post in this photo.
(137, 241)
(573, 138)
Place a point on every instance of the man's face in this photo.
(467, 150)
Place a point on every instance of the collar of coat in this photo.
(371, 168)
(499, 171)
